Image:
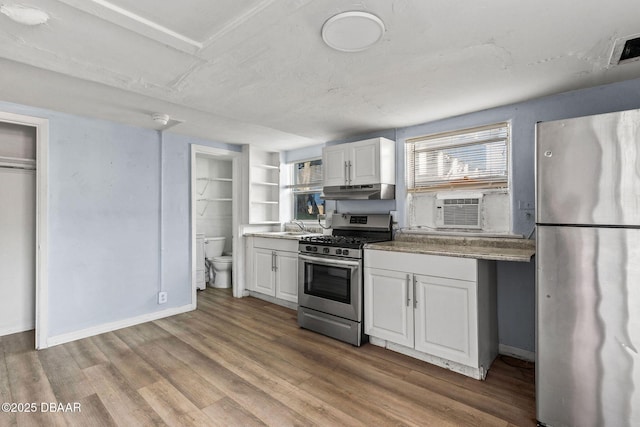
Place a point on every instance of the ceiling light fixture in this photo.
(24, 15)
(160, 118)
(352, 31)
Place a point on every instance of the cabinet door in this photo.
(446, 319)
(263, 271)
(364, 158)
(388, 306)
(334, 161)
(287, 276)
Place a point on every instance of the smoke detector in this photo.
(24, 15)
(625, 49)
(352, 31)
(161, 119)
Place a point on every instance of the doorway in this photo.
(215, 206)
(24, 218)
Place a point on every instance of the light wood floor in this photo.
(246, 362)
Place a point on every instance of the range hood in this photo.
(359, 192)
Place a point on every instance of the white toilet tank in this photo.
(213, 246)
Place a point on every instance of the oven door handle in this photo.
(329, 262)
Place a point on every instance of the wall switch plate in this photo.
(162, 297)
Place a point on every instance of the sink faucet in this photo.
(299, 224)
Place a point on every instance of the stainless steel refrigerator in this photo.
(588, 271)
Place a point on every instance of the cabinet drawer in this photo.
(288, 245)
(430, 265)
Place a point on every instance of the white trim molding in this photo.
(119, 324)
(42, 218)
(518, 353)
(469, 371)
(272, 300)
(237, 271)
(147, 27)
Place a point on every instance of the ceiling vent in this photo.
(625, 49)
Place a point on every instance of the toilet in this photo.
(213, 247)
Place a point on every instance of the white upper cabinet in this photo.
(371, 161)
(334, 164)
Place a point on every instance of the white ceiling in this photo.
(244, 71)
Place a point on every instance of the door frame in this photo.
(235, 157)
(42, 209)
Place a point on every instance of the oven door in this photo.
(331, 285)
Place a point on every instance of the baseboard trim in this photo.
(274, 300)
(518, 353)
(16, 329)
(475, 373)
(113, 326)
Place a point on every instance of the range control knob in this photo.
(308, 248)
(325, 250)
(345, 252)
(314, 249)
(338, 251)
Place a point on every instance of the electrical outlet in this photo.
(162, 297)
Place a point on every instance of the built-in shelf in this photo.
(264, 186)
(209, 200)
(216, 179)
(266, 166)
(215, 193)
(209, 180)
(17, 162)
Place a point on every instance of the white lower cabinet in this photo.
(275, 268)
(263, 271)
(388, 310)
(436, 308)
(287, 276)
(445, 318)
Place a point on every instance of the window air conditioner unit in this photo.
(459, 212)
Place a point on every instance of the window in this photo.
(469, 158)
(307, 188)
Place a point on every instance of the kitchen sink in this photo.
(292, 233)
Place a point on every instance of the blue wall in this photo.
(516, 281)
(119, 217)
(176, 218)
(117, 194)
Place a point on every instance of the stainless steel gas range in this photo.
(330, 276)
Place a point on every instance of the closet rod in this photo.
(17, 163)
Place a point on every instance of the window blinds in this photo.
(469, 158)
(307, 176)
